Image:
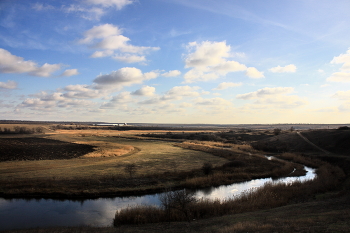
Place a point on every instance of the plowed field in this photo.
(12, 149)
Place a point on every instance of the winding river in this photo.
(32, 213)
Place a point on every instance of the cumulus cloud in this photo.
(207, 54)
(210, 60)
(342, 95)
(178, 92)
(217, 101)
(107, 39)
(267, 91)
(252, 72)
(145, 91)
(13, 64)
(172, 73)
(226, 85)
(344, 74)
(118, 100)
(343, 59)
(81, 92)
(126, 76)
(130, 58)
(8, 85)
(70, 72)
(342, 77)
(285, 69)
(276, 97)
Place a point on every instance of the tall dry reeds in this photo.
(270, 195)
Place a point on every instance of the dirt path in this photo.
(312, 144)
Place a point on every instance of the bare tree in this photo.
(131, 169)
(178, 200)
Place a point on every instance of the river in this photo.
(32, 213)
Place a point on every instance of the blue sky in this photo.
(175, 61)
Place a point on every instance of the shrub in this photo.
(277, 131)
(207, 168)
(131, 169)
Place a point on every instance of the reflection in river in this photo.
(21, 213)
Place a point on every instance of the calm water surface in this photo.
(22, 213)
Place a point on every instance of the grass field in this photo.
(159, 164)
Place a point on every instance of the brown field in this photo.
(91, 162)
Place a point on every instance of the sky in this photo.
(175, 61)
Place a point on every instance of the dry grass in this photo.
(266, 197)
(103, 170)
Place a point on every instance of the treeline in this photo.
(227, 137)
(21, 130)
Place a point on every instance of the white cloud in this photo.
(181, 91)
(41, 7)
(118, 100)
(100, 32)
(275, 98)
(252, 72)
(207, 54)
(342, 95)
(130, 58)
(195, 75)
(344, 74)
(217, 101)
(226, 85)
(108, 39)
(267, 91)
(92, 13)
(81, 92)
(119, 4)
(345, 107)
(126, 76)
(13, 64)
(70, 72)
(343, 59)
(229, 66)
(172, 73)
(286, 69)
(339, 77)
(104, 53)
(8, 85)
(145, 91)
(209, 61)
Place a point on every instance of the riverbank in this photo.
(329, 212)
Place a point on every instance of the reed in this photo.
(271, 195)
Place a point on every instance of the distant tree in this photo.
(130, 169)
(39, 129)
(277, 131)
(207, 168)
(7, 130)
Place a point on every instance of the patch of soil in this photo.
(14, 149)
